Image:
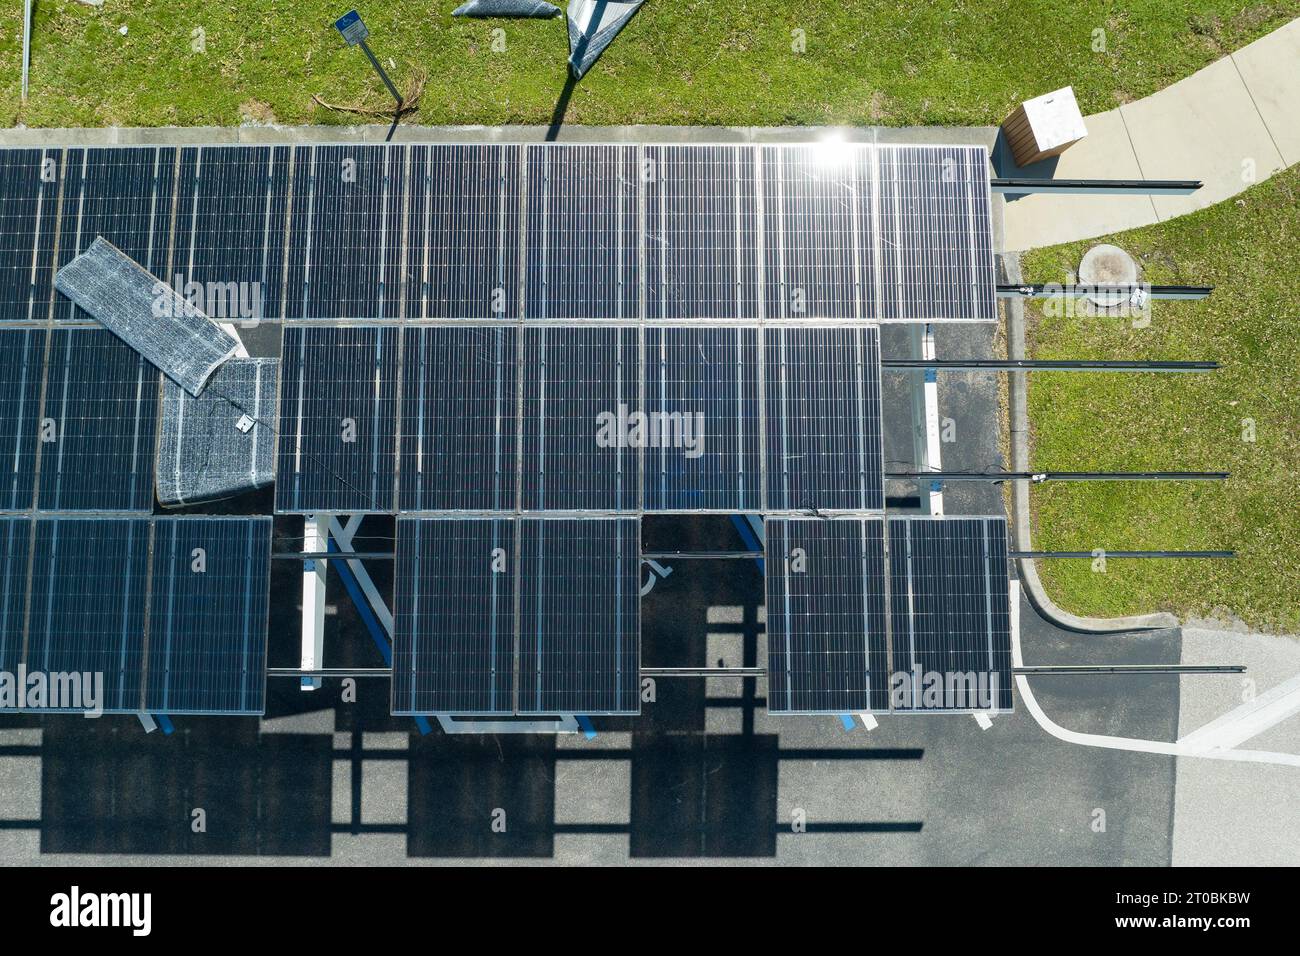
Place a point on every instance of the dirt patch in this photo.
(256, 113)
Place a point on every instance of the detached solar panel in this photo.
(822, 419)
(949, 609)
(170, 612)
(148, 315)
(579, 616)
(338, 419)
(454, 616)
(99, 425)
(826, 626)
(459, 419)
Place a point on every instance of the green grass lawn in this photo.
(680, 61)
(1249, 249)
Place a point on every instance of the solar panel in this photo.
(583, 245)
(822, 421)
(516, 616)
(338, 418)
(22, 355)
(579, 616)
(579, 384)
(702, 408)
(99, 418)
(454, 616)
(701, 224)
(208, 615)
(616, 232)
(826, 627)
(172, 612)
(459, 419)
(949, 609)
(463, 251)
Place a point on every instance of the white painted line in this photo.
(983, 719)
(1249, 720)
(869, 721)
(1121, 743)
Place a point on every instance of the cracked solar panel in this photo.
(222, 443)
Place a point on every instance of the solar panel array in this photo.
(78, 422)
(542, 231)
(172, 612)
(516, 616)
(607, 419)
(932, 635)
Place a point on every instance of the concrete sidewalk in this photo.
(1233, 124)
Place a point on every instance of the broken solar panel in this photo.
(822, 419)
(583, 244)
(701, 247)
(593, 25)
(338, 416)
(822, 231)
(579, 616)
(187, 637)
(454, 616)
(95, 449)
(826, 638)
(459, 419)
(579, 451)
(147, 314)
(506, 8)
(949, 610)
(223, 442)
(703, 447)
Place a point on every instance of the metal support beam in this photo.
(1022, 185)
(320, 672)
(343, 555)
(925, 417)
(1080, 669)
(703, 672)
(315, 535)
(1041, 476)
(1103, 553)
(1055, 291)
(1031, 365)
(343, 538)
(701, 555)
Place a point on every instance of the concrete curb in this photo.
(255, 135)
(1018, 398)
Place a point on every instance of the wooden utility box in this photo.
(1044, 126)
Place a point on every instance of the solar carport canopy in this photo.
(829, 231)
